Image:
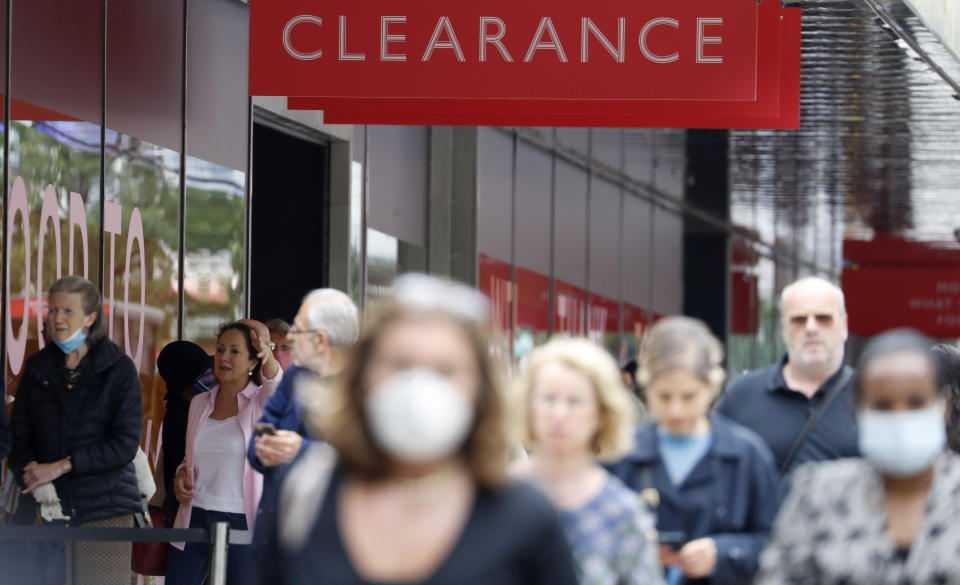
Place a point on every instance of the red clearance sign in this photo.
(606, 50)
(777, 104)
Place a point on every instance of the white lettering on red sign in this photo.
(288, 31)
(545, 38)
(344, 55)
(386, 38)
(496, 40)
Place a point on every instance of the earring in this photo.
(250, 373)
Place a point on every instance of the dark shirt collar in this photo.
(725, 443)
(776, 381)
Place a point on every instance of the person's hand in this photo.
(35, 474)
(262, 347)
(183, 486)
(668, 556)
(698, 558)
(268, 364)
(277, 449)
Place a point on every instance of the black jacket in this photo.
(97, 424)
(4, 432)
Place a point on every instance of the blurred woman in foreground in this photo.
(575, 412)
(413, 489)
(713, 479)
(889, 517)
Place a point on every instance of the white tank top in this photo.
(218, 457)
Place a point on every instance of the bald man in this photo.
(801, 406)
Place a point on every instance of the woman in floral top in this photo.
(576, 413)
(889, 518)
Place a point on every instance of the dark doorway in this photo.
(289, 221)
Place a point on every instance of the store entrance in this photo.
(290, 220)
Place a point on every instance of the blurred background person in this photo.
(76, 427)
(186, 370)
(215, 482)
(573, 413)
(890, 517)
(801, 406)
(949, 366)
(282, 348)
(715, 480)
(416, 492)
(5, 436)
(628, 374)
(326, 326)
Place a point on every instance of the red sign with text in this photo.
(882, 298)
(498, 49)
(777, 104)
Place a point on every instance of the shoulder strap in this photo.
(302, 495)
(838, 385)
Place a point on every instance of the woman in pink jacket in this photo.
(215, 482)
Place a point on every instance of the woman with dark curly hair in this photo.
(215, 483)
(949, 361)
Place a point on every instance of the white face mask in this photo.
(418, 415)
(903, 443)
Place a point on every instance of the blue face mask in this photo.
(72, 342)
(902, 444)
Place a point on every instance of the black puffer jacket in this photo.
(97, 424)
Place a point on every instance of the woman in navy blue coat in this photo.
(713, 482)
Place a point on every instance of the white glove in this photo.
(51, 512)
(45, 494)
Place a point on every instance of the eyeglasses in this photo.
(295, 331)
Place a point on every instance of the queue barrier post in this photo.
(219, 539)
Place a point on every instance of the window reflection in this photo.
(54, 203)
(213, 256)
(142, 189)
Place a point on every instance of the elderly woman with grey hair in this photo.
(76, 426)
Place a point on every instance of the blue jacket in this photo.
(729, 496)
(284, 411)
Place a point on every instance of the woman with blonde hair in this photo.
(574, 415)
(411, 487)
(713, 480)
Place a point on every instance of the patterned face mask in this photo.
(205, 382)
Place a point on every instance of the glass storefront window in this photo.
(531, 231)
(55, 150)
(213, 255)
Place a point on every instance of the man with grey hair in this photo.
(326, 325)
(800, 406)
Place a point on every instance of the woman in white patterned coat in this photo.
(890, 517)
